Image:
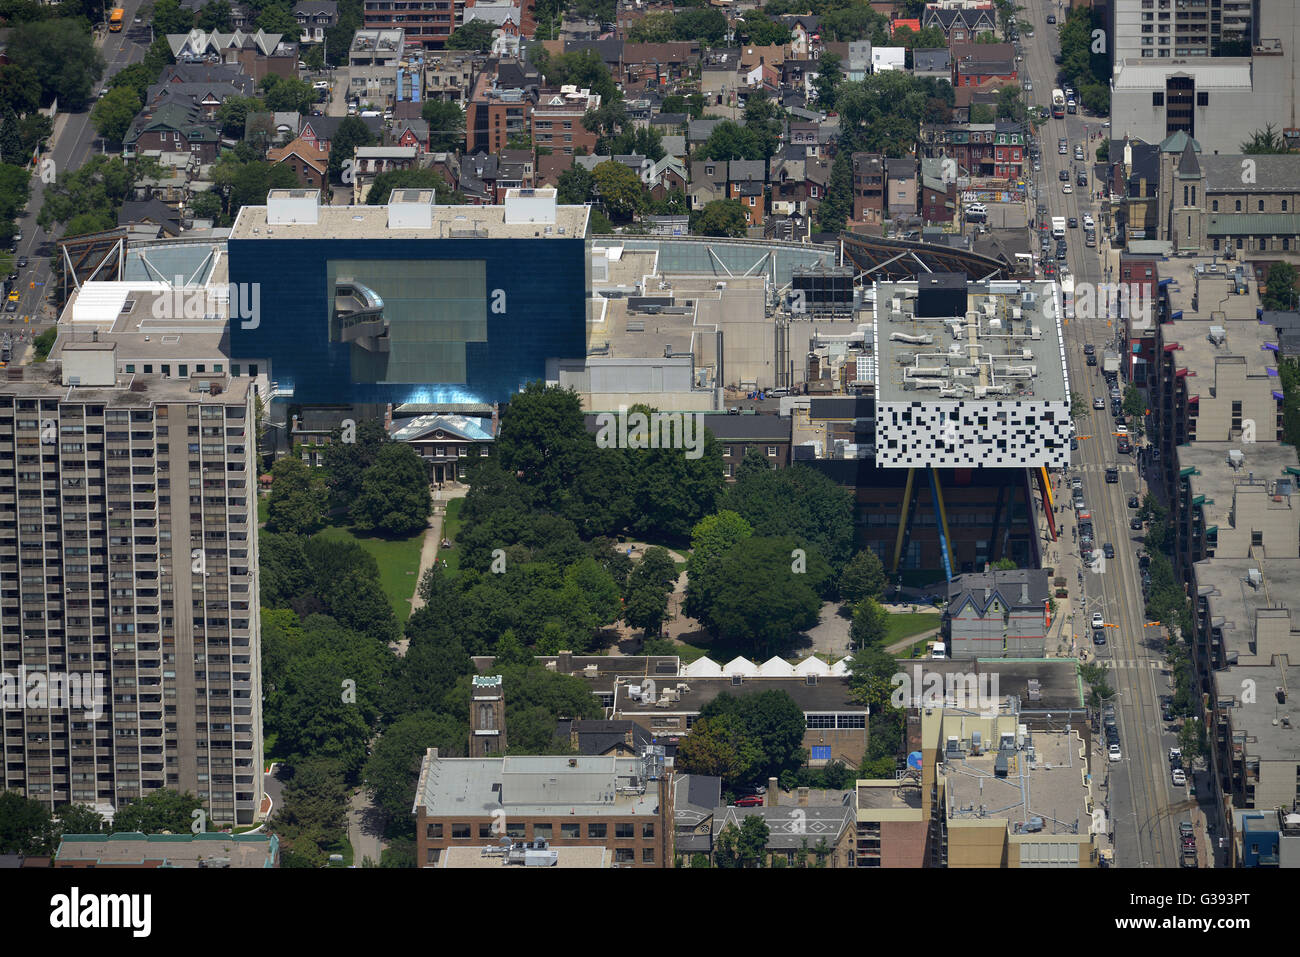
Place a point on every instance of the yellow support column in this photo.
(902, 522)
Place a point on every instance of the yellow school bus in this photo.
(115, 19)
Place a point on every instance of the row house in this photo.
(427, 23)
(314, 18)
(173, 128)
(373, 60)
(961, 24)
(938, 194)
(708, 182)
(977, 63)
(557, 120)
(657, 65)
(746, 182)
(484, 178)
(983, 150)
(257, 54)
(370, 161)
(901, 186)
(412, 133)
(934, 63)
(319, 130)
(868, 188)
(448, 76)
(309, 164)
(665, 177)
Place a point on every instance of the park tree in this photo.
(575, 186)
(61, 54)
(1280, 292)
(216, 15)
(25, 826)
(162, 810)
(731, 141)
(352, 132)
(720, 747)
(288, 95)
(720, 217)
(296, 502)
(446, 123)
(648, 587)
(475, 35)
(1265, 141)
(346, 463)
(712, 537)
(767, 592)
(870, 624)
(394, 766)
(863, 577)
(394, 497)
(113, 114)
(282, 565)
(20, 90)
(797, 501)
(744, 846)
(774, 721)
(619, 189)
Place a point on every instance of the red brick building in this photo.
(557, 120)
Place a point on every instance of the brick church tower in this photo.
(487, 717)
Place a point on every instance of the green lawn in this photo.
(452, 523)
(904, 626)
(263, 508)
(399, 561)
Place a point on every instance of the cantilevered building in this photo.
(128, 550)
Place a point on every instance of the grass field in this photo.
(451, 526)
(904, 626)
(399, 561)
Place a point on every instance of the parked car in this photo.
(22, 262)
(1112, 475)
(1133, 502)
(1115, 753)
(1097, 620)
(751, 800)
(1135, 523)
(1186, 830)
(1180, 779)
(1099, 636)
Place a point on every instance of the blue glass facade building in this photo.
(464, 320)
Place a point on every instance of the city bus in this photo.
(115, 19)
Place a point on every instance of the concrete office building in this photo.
(1164, 29)
(621, 804)
(1220, 100)
(128, 550)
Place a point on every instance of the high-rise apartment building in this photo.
(1156, 29)
(128, 551)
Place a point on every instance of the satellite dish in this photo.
(914, 760)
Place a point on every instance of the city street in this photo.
(74, 141)
(1143, 805)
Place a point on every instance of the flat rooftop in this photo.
(462, 857)
(1211, 281)
(1004, 344)
(1271, 727)
(175, 850)
(1058, 684)
(449, 222)
(1262, 465)
(131, 390)
(1199, 354)
(901, 795)
(536, 785)
(130, 315)
(1233, 601)
(1051, 786)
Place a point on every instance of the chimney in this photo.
(564, 662)
(1024, 593)
(803, 797)
(773, 793)
(293, 427)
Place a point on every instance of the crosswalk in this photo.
(1090, 467)
(1131, 664)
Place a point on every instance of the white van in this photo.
(940, 651)
(370, 113)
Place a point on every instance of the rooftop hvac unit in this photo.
(1255, 577)
(976, 743)
(1218, 335)
(1006, 741)
(954, 745)
(1029, 299)
(1236, 458)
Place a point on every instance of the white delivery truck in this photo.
(1058, 227)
